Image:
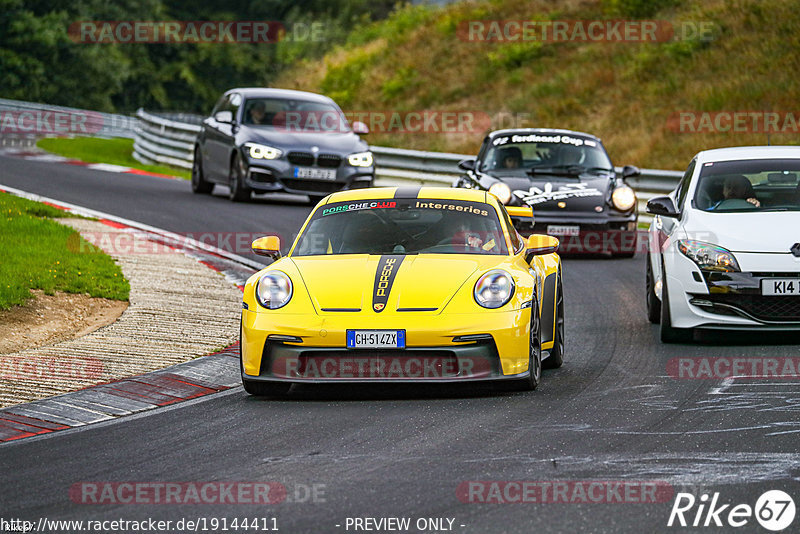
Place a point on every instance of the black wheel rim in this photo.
(560, 319)
(536, 346)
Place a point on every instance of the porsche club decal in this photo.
(536, 195)
(354, 206)
(384, 278)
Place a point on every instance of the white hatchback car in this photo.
(724, 246)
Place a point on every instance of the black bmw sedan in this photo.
(264, 140)
(568, 180)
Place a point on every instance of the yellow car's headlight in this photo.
(501, 191)
(360, 159)
(623, 198)
(494, 289)
(274, 290)
(258, 151)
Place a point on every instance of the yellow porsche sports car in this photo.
(404, 284)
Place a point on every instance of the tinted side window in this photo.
(516, 240)
(683, 187)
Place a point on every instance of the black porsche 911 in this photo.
(568, 180)
(265, 140)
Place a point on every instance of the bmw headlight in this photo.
(360, 159)
(274, 290)
(258, 151)
(494, 289)
(623, 198)
(708, 257)
(501, 191)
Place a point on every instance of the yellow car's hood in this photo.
(423, 282)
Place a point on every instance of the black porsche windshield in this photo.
(293, 115)
(748, 186)
(408, 226)
(558, 154)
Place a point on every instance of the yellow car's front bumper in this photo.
(497, 347)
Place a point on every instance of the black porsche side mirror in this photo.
(629, 171)
(663, 206)
(467, 164)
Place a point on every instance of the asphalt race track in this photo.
(611, 413)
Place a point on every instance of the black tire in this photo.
(668, 333)
(556, 358)
(199, 184)
(652, 302)
(239, 192)
(266, 389)
(530, 382)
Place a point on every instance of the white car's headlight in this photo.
(274, 290)
(360, 159)
(501, 191)
(707, 256)
(494, 289)
(257, 151)
(623, 198)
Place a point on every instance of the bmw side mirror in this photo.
(663, 206)
(223, 116)
(629, 171)
(467, 164)
(269, 246)
(360, 128)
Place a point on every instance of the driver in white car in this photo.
(737, 187)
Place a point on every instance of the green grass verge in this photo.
(39, 253)
(116, 151)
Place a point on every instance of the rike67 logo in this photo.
(774, 510)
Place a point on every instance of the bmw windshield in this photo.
(749, 186)
(544, 154)
(294, 115)
(407, 226)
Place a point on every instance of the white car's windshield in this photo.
(749, 185)
(407, 226)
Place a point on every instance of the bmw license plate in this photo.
(780, 287)
(317, 174)
(376, 339)
(553, 229)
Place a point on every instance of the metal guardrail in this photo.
(31, 119)
(169, 139)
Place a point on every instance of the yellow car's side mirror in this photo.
(269, 246)
(539, 244)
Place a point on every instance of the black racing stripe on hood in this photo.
(384, 278)
(407, 192)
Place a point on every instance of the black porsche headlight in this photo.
(274, 290)
(501, 191)
(623, 198)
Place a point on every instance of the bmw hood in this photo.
(344, 143)
(373, 283)
(773, 232)
(544, 192)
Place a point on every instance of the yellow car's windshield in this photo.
(407, 226)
